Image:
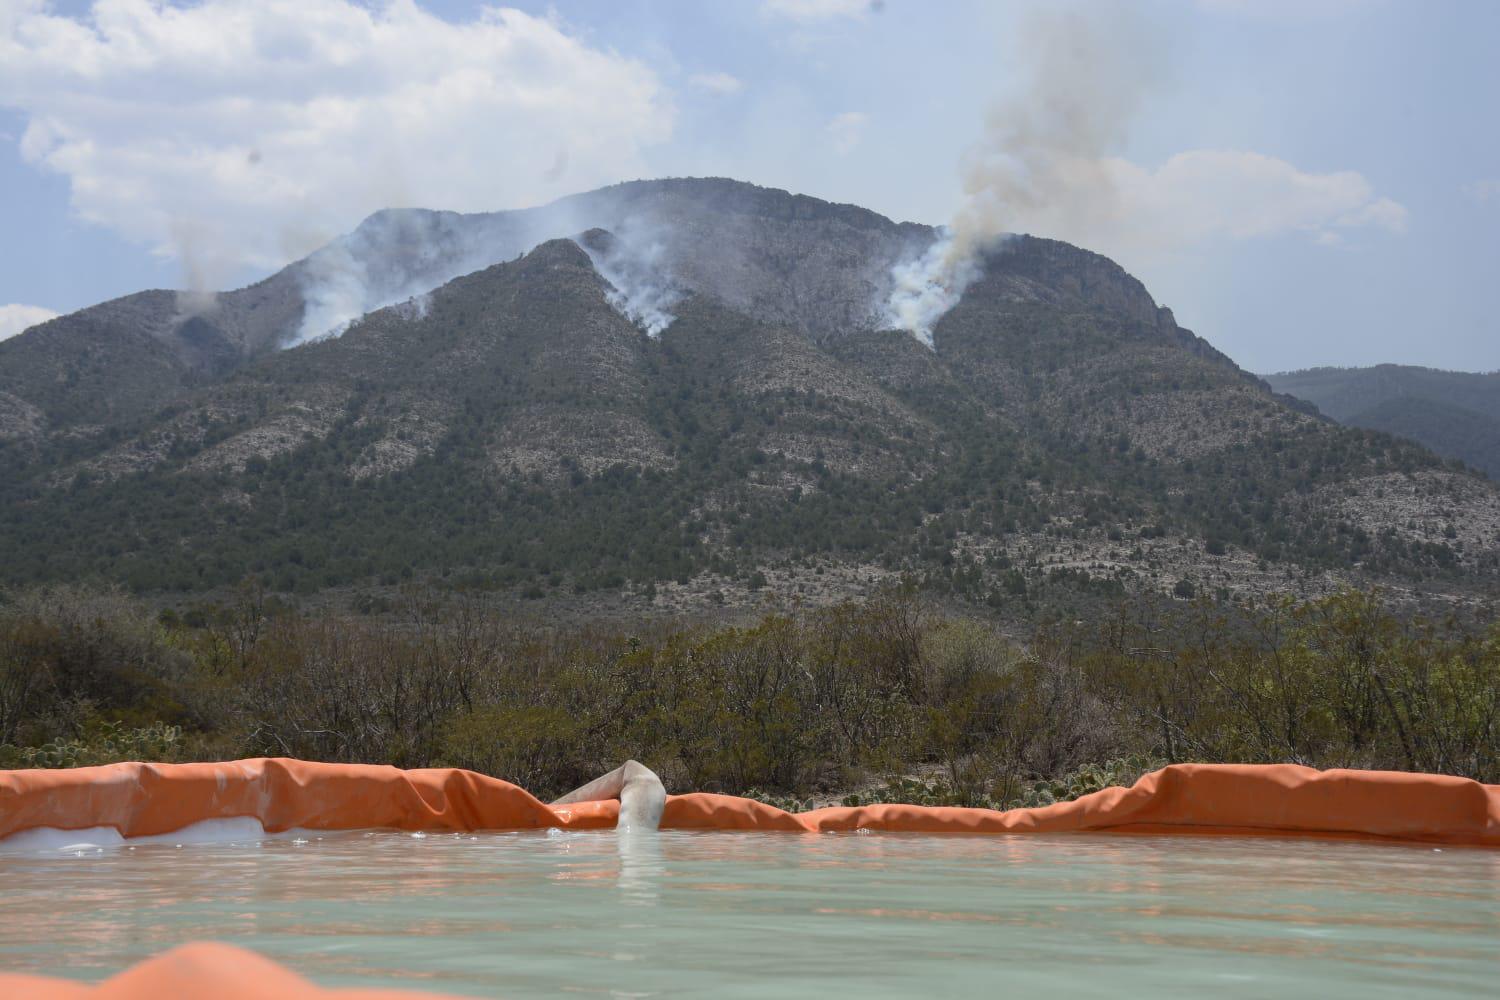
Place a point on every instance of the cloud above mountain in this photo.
(17, 318)
(813, 11)
(240, 133)
(1203, 195)
(723, 84)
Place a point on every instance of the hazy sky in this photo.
(1303, 181)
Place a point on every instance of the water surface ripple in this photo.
(739, 914)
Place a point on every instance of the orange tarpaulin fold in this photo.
(143, 799)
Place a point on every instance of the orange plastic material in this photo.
(144, 799)
(1241, 799)
(1279, 799)
(141, 799)
(195, 971)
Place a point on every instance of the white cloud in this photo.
(16, 318)
(813, 11)
(1200, 196)
(717, 83)
(1486, 190)
(847, 130)
(240, 133)
(1286, 10)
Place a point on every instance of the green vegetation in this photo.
(303, 523)
(1122, 771)
(1456, 414)
(1472, 438)
(524, 438)
(887, 698)
(104, 743)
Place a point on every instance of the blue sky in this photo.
(1304, 183)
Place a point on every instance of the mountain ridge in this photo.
(1456, 414)
(514, 429)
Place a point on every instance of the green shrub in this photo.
(534, 747)
(107, 743)
(792, 705)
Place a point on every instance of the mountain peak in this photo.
(561, 252)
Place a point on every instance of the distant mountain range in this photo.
(1456, 414)
(682, 392)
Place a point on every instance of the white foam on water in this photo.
(51, 840)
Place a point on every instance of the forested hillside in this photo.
(1456, 414)
(524, 429)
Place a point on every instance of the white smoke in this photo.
(335, 292)
(415, 308)
(1043, 148)
(646, 305)
(631, 260)
(925, 288)
(206, 254)
(394, 257)
(399, 256)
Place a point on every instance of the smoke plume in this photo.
(399, 255)
(335, 292)
(631, 260)
(395, 256)
(206, 267)
(1043, 153)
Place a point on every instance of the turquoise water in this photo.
(528, 914)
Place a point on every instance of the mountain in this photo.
(123, 358)
(1456, 414)
(794, 260)
(686, 405)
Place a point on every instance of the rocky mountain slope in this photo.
(1456, 414)
(816, 267)
(515, 425)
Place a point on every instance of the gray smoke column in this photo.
(395, 256)
(206, 265)
(631, 259)
(398, 255)
(335, 290)
(1044, 152)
